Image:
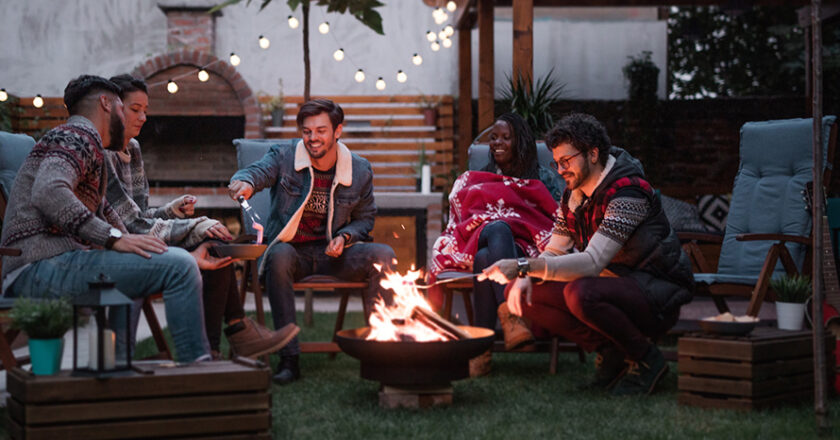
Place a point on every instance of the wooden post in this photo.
(523, 39)
(486, 81)
(464, 96)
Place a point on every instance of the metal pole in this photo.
(820, 388)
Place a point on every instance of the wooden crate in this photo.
(211, 400)
(767, 368)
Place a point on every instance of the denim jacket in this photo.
(288, 173)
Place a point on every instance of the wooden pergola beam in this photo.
(464, 129)
(486, 64)
(523, 39)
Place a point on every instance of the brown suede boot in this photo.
(480, 365)
(249, 339)
(516, 332)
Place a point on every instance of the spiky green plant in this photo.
(533, 100)
(42, 318)
(792, 288)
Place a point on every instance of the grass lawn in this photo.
(519, 399)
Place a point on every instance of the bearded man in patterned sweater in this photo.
(614, 269)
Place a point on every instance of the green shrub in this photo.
(792, 289)
(533, 100)
(42, 318)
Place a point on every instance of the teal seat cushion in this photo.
(13, 151)
(249, 151)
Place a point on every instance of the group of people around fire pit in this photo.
(596, 263)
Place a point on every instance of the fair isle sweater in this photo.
(57, 203)
(128, 194)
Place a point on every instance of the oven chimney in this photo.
(189, 26)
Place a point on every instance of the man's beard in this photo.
(116, 129)
(580, 177)
(325, 148)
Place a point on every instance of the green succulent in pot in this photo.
(42, 318)
(792, 288)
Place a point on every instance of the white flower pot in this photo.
(790, 316)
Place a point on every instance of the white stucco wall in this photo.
(47, 42)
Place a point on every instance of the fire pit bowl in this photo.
(239, 250)
(414, 363)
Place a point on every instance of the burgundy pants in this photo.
(597, 311)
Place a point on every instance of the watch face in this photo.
(116, 233)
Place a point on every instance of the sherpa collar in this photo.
(343, 166)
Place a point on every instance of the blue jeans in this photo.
(174, 273)
(495, 243)
(287, 263)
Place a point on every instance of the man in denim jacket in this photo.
(321, 217)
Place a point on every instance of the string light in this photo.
(293, 22)
(435, 46)
(338, 54)
(449, 30)
(203, 76)
(447, 43)
(360, 75)
(324, 27)
(234, 59)
(38, 101)
(451, 6)
(401, 76)
(380, 84)
(264, 43)
(417, 59)
(430, 36)
(442, 35)
(3, 95)
(171, 87)
(440, 16)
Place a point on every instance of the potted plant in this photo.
(45, 321)
(274, 106)
(791, 294)
(533, 100)
(429, 105)
(642, 75)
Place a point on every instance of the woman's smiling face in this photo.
(501, 144)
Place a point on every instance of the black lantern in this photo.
(104, 361)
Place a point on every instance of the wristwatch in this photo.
(523, 267)
(113, 235)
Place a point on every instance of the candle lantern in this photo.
(103, 359)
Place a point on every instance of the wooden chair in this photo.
(769, 228)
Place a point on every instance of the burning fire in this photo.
(408, 319)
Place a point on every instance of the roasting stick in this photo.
(449, 280)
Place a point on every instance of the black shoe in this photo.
(642, 376)
(609, 368)
(288, 370)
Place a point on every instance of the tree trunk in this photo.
(306, 72)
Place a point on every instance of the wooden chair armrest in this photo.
(709, 237)
(774, 237)
(11, 252)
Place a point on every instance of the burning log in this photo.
(440, 325)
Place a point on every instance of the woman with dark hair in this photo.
(506, 214)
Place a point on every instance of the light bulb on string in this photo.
(380, 84)
(447, 43)
(234, 59)
(293, 22)
(442, 35)
(401, 76)
(417, 59)
(338, 54)
(171, 87)
(359, 76)
(435, 46)
(203, 76)
(441, 17)
(264, 43)
(3, 95)
(324, 27)
(430, 36)
(38, 101)
(449, 30)
(436, 14)
(451, 6)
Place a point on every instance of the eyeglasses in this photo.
(564, 161)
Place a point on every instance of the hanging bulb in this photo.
(401, 76)
(442, 35)
(234, 59)
(380, 84)
(447, 43)
(360, 75)
(171, 87)
(436, 14)
(203, 76)
(38, 101)
(324, 27)
(264, 43)
(338, 54)
(430, 36)
(441, 17)
(435, 46)
(3, 95)
(451, 6)
(293, 22)
(417, 59)
(449, 30)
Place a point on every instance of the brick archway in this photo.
(218, 69)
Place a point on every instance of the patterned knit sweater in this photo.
(128, 194)
(57, 203)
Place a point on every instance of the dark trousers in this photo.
(595, 312)
(286, 263)
(221, 302)
(494, 243)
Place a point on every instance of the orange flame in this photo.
(394, 323)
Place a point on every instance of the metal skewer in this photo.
(448, 280)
